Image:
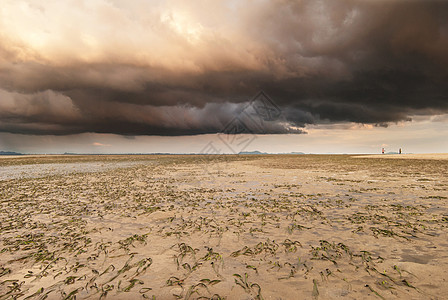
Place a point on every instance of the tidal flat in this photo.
(224, 227)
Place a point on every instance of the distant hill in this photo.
(259, 152)
(251, 152)
(9, 153)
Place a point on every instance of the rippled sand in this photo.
(239, 227)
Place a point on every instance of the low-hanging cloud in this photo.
(182, 68)
(53, 113)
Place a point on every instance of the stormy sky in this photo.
(186, 68)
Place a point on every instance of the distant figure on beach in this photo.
(382, 150)
(399, 151)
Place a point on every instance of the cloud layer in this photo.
(182, 68)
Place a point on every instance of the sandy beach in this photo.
(436, 156)
(233, 227)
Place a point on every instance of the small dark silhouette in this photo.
(382, 150)
(399, 151)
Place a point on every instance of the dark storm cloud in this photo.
(370, 62)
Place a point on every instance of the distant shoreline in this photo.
(433, 156)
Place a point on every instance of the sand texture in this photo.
(215, 227)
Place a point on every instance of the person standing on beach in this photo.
(399, 151)
(382, 150)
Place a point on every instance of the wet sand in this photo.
(54, 169)
(234, 227)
